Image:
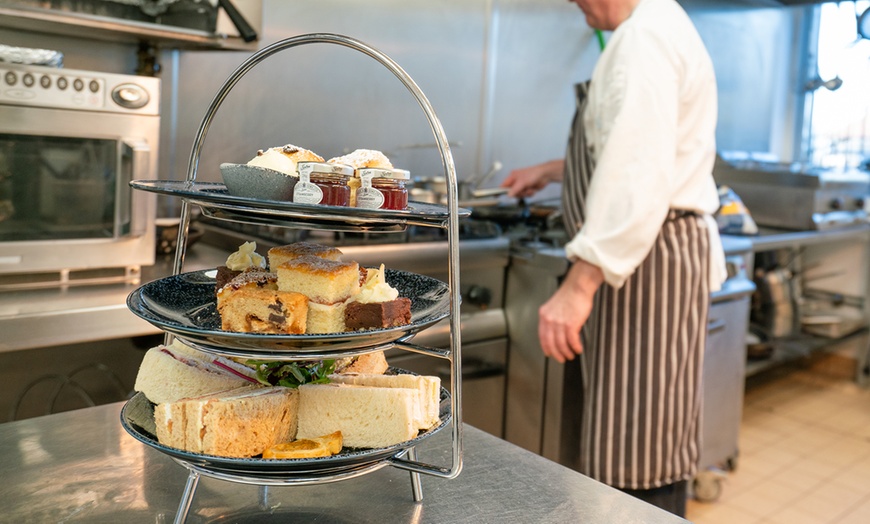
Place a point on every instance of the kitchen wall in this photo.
(499, 74)
(758, 56)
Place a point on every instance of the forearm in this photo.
(562, 317)
(583, 278)
(555, 169)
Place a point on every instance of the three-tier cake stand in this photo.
(182, 307)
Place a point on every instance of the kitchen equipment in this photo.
(195, 14)
(70, 143)
(775, 304)
(434, 189)
(793, 196)
(28, 55)
(724, 371)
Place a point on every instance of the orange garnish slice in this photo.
(324, 446)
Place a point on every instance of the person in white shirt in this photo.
(638, 197)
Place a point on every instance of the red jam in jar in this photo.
(323, 183)
(390, 183)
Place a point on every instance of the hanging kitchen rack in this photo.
(404, 457)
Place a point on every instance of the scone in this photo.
(284, 158)
(359, 159)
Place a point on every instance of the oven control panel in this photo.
(49, 87)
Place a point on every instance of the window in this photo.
(840, 119)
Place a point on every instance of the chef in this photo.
(638, 195)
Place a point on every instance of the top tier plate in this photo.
(216, 202)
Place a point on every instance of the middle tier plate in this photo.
(185, 306)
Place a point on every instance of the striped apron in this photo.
(643, 347)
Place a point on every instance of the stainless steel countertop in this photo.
(772, 238)
(81, 466)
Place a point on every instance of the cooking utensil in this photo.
(247, 32)
(434, 189)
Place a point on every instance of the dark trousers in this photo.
(670, 498)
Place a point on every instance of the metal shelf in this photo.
(116, 30)
(797, 347)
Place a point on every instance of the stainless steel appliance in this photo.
(793, 196)
(542, 396)
(724, 370)
(70, 143)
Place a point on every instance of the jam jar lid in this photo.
(325, 167)
(379, 172)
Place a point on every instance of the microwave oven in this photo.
(70, 143)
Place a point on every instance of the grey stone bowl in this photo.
(258, 182)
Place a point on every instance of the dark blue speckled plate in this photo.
(215, 201)
(137, 418)
(185, 306)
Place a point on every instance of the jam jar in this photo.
(382, 188)
(323, 183)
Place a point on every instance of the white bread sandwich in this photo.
(428, 392)
(368, 417)
(241, 422)
(169, 373)
(370, 410)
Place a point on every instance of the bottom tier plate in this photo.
(137, 418)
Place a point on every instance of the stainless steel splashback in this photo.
(498, 73)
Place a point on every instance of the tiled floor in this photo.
(804, 450)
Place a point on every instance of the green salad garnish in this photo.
(293, 374)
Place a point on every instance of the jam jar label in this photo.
(369, 198)
(305, 192)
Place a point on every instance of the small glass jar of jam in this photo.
(382, 188)
(323, 183)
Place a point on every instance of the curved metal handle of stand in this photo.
(452, 200)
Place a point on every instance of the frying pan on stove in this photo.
(515, 214)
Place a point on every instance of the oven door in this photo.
(65, 198)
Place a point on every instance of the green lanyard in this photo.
(600, 36)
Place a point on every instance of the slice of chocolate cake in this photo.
(223, 277)
(378, 315)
